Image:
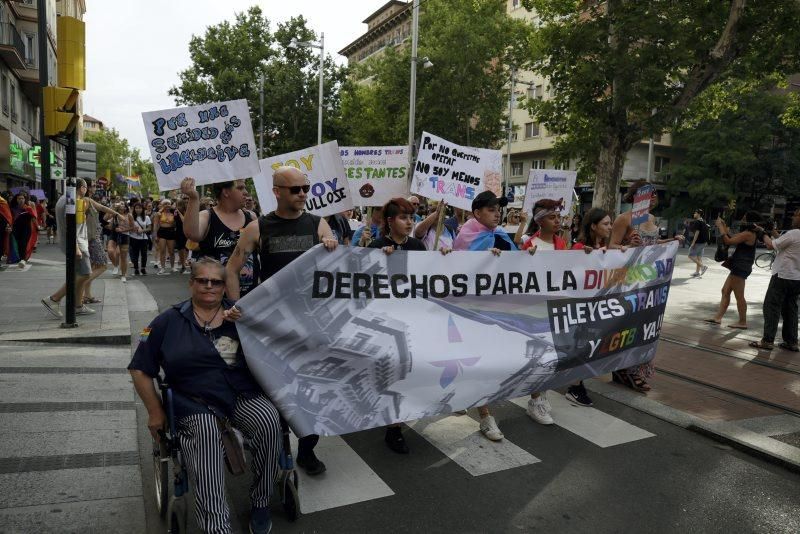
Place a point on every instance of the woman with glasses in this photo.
(198, 350)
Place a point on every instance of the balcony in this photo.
(12, 49)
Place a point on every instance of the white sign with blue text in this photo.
(211, 143)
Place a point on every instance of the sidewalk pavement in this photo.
(709, 380)
(69, 458)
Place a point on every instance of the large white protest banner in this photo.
(551, 184)
(454, 173)
(376, 174)
(353, 339)
(329, 193)
(211, 143)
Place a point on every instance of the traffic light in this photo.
(59, 110)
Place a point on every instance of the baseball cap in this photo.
(488, 199)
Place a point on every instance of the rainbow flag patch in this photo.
(144, 334)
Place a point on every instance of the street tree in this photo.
(623, 70)
(229, 60)
(740, 143)
(463, 97)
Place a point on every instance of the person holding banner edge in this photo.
(278, 238)
(482, 233)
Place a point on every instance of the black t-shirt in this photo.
(340, 227)
(284, 240)
(501, 244)
(412, 243)
(698, 225)
(219, 243)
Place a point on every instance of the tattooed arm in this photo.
(248, 239)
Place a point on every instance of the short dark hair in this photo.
(700, 211)
(393, 208)
(488, 199)
(219, 187)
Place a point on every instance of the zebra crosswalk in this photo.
(350, 480)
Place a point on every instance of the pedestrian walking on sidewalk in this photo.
(139, 239)
(83, 267)
(780, 302)
(97, 253)
(698, 232)
(740, 264)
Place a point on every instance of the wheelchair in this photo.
(170, 498)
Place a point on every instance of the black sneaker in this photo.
(144, 272)
(577, 395)
(394, 440)
(136, 273)
(310, 463)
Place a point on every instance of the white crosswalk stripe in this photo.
(350, 480)
(589, 423)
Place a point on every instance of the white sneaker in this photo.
(490, 429)
(176, 269)
(161, 272)
(21, 264)
(123, 279)
(539, 410)
(115, 271)
(53, 307)
(84, 310)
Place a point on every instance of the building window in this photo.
(5, 93)
(514, 137)
(661, 164)
(13, 94)
(516, 168)
(30, 49)
(531, 129)
(539, 164)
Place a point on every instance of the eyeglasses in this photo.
(295, 189)
(215, 282)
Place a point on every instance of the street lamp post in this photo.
(321, 45)
(412, 98)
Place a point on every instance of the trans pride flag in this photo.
(475, 236)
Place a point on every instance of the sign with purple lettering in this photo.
(550, 184)
(454, 173)
(211, 143)
(641, 204)
(322, 165)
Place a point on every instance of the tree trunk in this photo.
(608, 173)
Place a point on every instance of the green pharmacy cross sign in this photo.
(34, 157)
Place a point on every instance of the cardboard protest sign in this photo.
(211, 143)
(330, 192)
(454, 173)
(376, 174)
(641, 204)
(550, 184)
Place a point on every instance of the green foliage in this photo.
(623, 70)
(463, 97)
(738, 145)
(229, 60)
(113, 152)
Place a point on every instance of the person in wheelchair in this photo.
(196, 344)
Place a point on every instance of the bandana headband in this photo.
(541, 214)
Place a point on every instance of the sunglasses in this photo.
(295, 189)
(215, 282)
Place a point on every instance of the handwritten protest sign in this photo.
(376, 174)
(330, 192)
(641, 204)
(551, 184)
(454, 173)
(211, 143)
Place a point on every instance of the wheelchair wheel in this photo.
(161, 476)
(290, 498)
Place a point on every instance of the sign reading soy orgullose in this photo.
(550, 184)
(330, 191)
(376, 174)
(211, 143)
(454, 173)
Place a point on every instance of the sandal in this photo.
(712, 321)
(790, 348)
(737, 327)
(635, 383)
(92, 300)
(761, 345)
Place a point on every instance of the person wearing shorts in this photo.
(698, 244)
(164, 222)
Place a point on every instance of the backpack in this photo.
(704, 229)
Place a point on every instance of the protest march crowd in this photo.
(227, 246)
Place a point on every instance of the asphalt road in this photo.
(554, 479)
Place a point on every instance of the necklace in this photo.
(399, 243)
(206, 328)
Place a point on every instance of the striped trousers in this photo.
(201, 443)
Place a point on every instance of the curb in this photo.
(747, 441)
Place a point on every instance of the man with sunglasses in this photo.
(278, 238)
(217, 229)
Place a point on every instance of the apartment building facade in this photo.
(390, 25)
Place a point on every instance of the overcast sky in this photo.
(135, 49)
